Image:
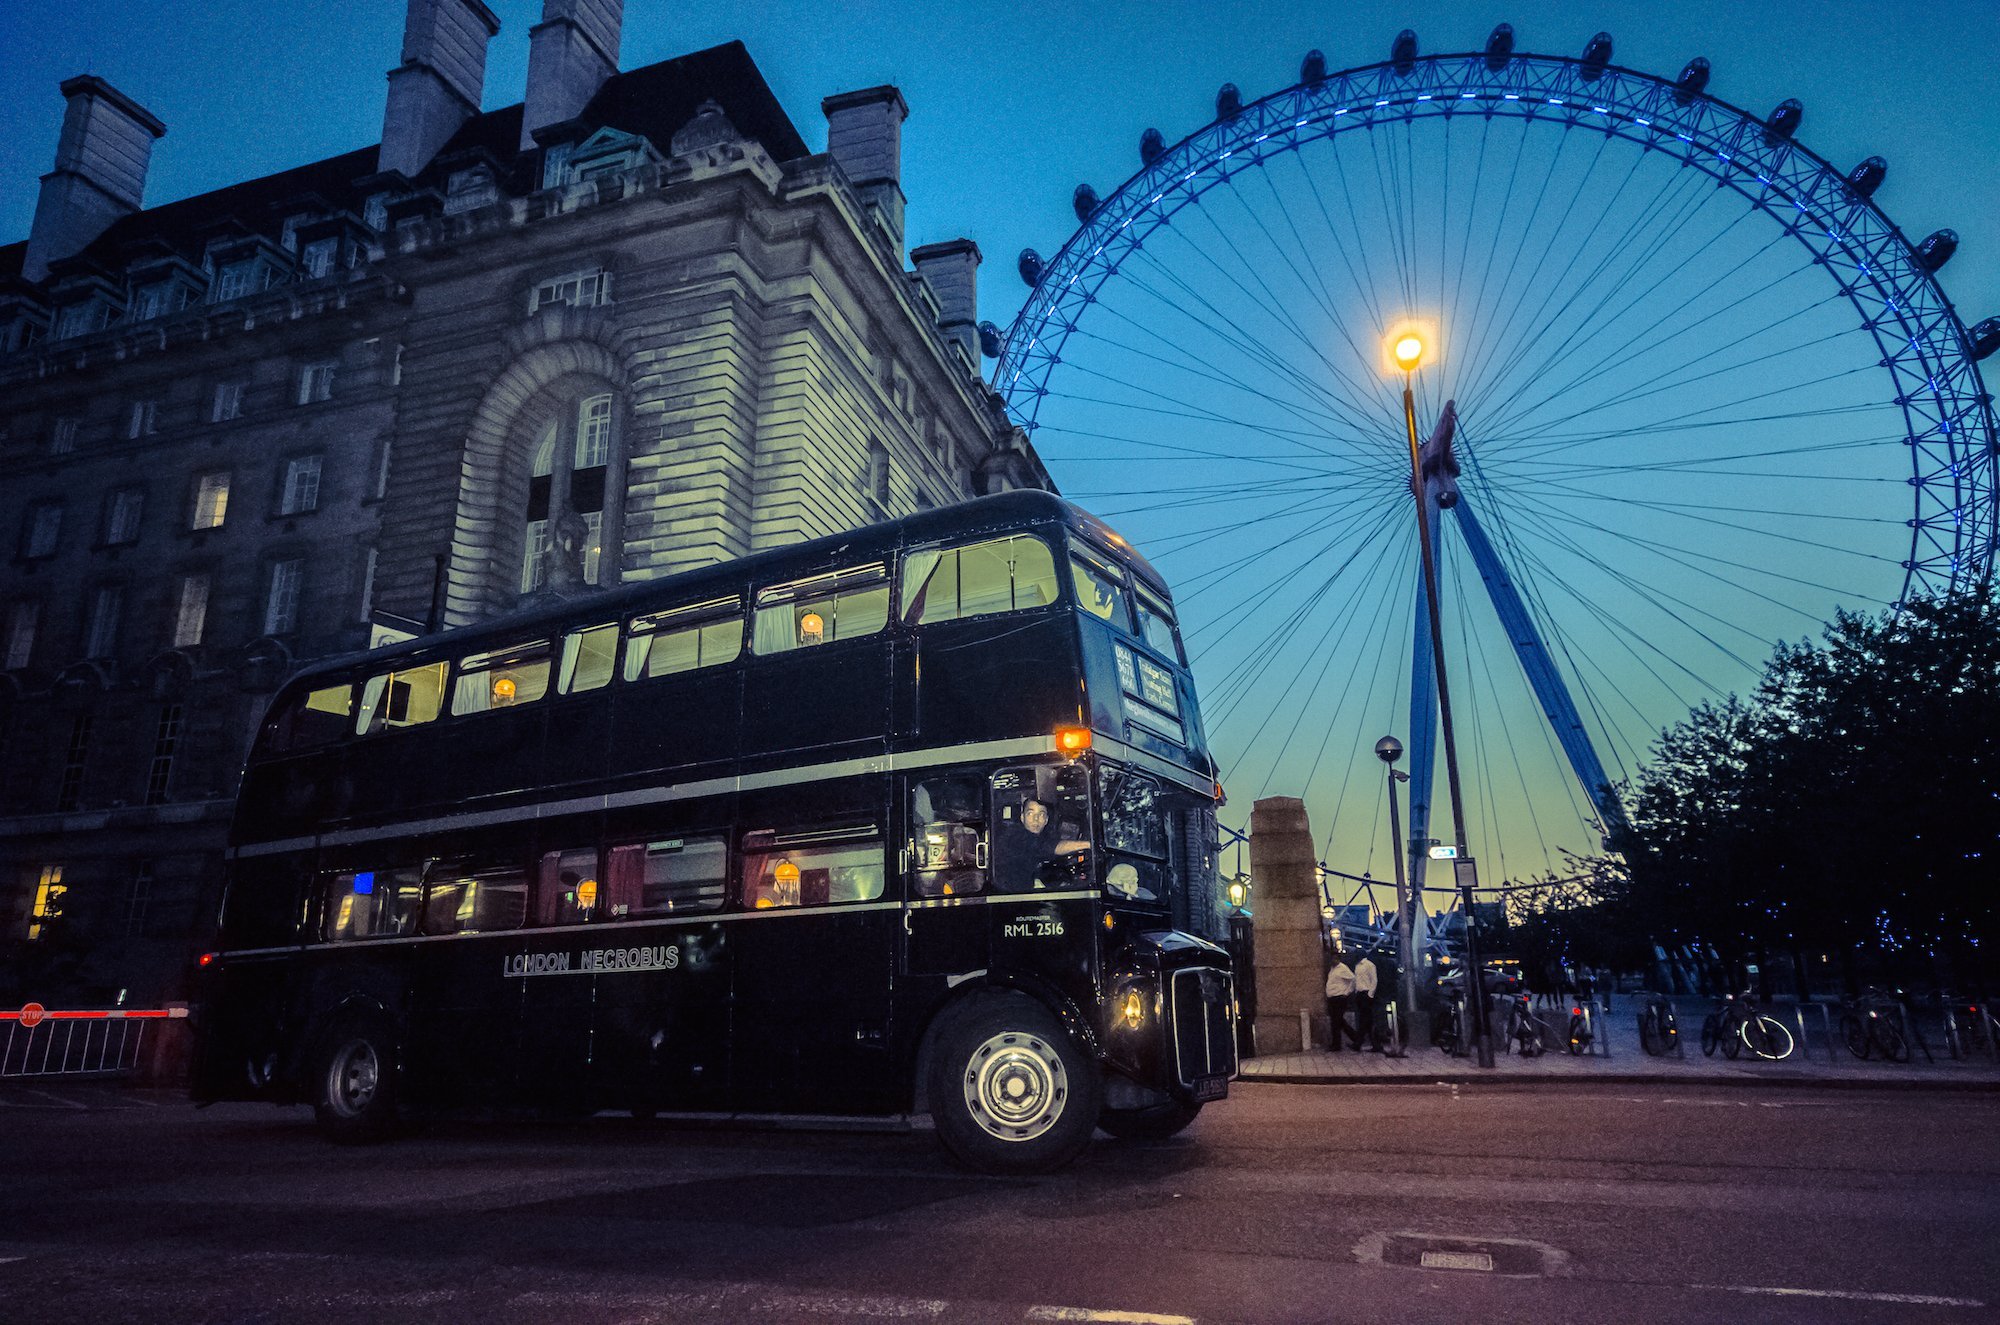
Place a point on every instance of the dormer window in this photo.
(82, 318)
(318, 258)
(579, 289)
(375, 213)
(467, 189)
(609, 152)
(288, 237)
(555, 164)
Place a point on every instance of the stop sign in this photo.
(32, 1014)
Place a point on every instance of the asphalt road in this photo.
(1284, 1204)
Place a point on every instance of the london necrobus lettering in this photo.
(916, 818)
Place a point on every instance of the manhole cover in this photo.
(1455, 1260)
(1444, 1251)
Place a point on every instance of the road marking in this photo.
(9, 1260)
(1455, 1260)
(1844, 1295)
(1107, 1317)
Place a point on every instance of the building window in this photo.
(138, 899)
(166, 738)
(281, 601)
(80, 319)
(235, 280)
(228, 402)
(318, 258)
(121, 516)
(100, 634)
(878, 473)
(555, 164)
(580, 289)
(585, 433)
(467, 189)
(69, 791)
(211, 500)
(22, 619)
(190, 610)
(62, 437)
(41, 529)
(148, 302)
(375, 213)
(47, 909)
(143, 419)
(316, 382)
(288, 234)
(593, 432)
(301, 488)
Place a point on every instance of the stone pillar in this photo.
(1284, 871)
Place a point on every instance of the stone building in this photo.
(629, 326)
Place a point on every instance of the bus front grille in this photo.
(1204, 1041)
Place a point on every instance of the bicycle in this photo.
(1523, 1031)
(1659, 1030)
(1581, 1027)
(1738, 1025)
(1867, 1030)
(1964, 1025)
(1448, 1029)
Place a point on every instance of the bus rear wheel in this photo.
(1009, 1091)
(1154, 1122)
(354, 1096)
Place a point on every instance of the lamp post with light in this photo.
(1408, 350)
(1389, 750)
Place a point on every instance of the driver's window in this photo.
(948, 827)
(1041, 828)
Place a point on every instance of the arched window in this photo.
(570, 460)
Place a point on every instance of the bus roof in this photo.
(1007, 510)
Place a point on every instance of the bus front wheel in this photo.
(354, 1098)
(1154, 1122)
(1009, 1091)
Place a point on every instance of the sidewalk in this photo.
(1428, 1066)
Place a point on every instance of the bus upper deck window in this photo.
(400, 699)
(1000, 575)
(823, 609)
(1098, 590)
(502, 678)
(684, 639)
(369, 904)
(1156, 625)
(588, 659)
(458, 900)
(313, 718)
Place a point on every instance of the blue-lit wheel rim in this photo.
(1923, 373)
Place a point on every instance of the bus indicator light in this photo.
(1072, 740)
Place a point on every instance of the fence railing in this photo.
(43, 1042)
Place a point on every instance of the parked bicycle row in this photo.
(1879, 1023)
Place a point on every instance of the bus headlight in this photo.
(1133, 1010)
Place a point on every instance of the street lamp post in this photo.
(1409, 352)
(1389, 750)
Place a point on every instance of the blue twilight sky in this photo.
(1670, 511)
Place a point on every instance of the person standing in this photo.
(1339, 988)
(1366, 980)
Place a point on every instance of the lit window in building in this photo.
(143, 419)
(190, 610)
(22, 619)
(166, 739)
(281, 600)
(211, 500)
(62, 437)
(121, 516)
(301, 490)
(228, 403)
(41, 529)
(316, 382)
(100, 636)
(47, 909)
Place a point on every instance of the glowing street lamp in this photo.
(1408, 351)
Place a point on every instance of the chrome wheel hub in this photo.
(352, 1079)
(1015, 1086)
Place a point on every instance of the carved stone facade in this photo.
(299, 412)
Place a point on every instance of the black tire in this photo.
(1711, 1034)
(1855, 1036)
(1769, 1039)
(1579, 1036)
(354, 1082)
(1649, 1034)
(1155, 1122)
(1894, 1044)
(1732, 1040)
(1009, 1091)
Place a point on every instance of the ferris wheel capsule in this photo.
(1783, 122)
(1867, 177)
(1692, 80)
(1312, 69)
(1151, 144)
(1228, 102)
(1500, 47)
(1403, 53)
(1986, 338)
(1596, 56)
(990, 341)
(1937, 248)
(1030, 267)
(1084, 201)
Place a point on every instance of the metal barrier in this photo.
(44, 1043)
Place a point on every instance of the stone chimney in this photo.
(570, 54)
(951, 270)
(438, 85)
(864, 133)
(100, 174)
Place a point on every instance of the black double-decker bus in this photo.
(885, 823)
